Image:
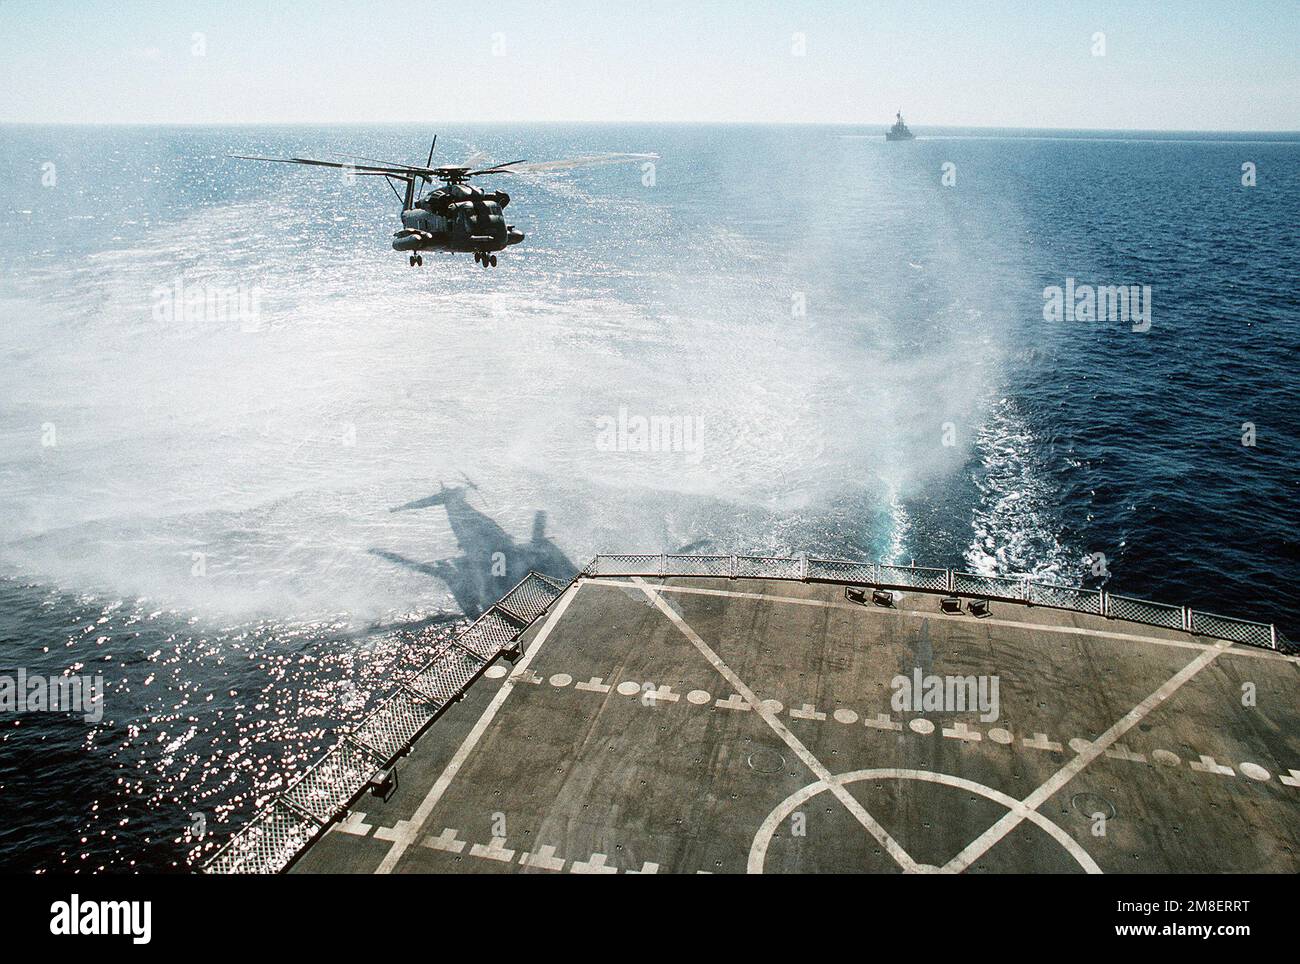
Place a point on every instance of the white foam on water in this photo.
(274, 454)
(1016, 527)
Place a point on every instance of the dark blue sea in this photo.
(196, 498)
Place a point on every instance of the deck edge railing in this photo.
(1015, 588)
(280, 831)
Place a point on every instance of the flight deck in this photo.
(701, 724)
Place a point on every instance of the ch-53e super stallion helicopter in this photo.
(457, 216)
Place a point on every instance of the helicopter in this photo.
(458, 216)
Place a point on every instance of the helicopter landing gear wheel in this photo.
(483, 260)
(493, 259)
(478, 256)
(411, 260)
(419, 261)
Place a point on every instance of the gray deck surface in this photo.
(566, 762)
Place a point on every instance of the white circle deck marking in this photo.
(773, 705)
(698, 697)
(999, 735)
(1165, 758)
(628, 688)
(1254, 771)
(495, 672)
(922, 726)
(763, 838)
(1080, 745)
(561, 679)
(843, 715)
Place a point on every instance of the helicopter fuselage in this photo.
(457, 217)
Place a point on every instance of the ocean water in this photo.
(196, 503)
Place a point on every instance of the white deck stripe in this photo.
(440, 786)
(984, 841)
(793, 742)
(924, 614)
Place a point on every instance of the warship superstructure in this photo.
(900, 131)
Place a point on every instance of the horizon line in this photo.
(661, 123)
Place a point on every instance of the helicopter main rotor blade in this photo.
(354, 168)
(370, 160)
(494, 169)
(524, 167)
(408, 167)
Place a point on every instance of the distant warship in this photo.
(899, 131)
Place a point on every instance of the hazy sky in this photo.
(1178, 64)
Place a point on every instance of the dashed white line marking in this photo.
(401, 830)
(354, 823)
(1207, 764)
(960, 731)
(1120, 752)
(496, 850)
(445, 841)
(1041, 742)
(807, 712)
(596, 865)
(544, 859)
(662, 694)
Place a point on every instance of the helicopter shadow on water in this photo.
(490, 560)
